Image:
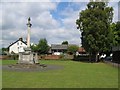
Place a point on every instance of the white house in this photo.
(17, 46)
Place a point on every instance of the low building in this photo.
(81, 51)
(58, 48)
(17, 46)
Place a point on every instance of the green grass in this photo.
(73, 75)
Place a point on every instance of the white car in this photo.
(56, 53)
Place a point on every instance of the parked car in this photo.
(56, 53)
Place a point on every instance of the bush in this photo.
(14, 57)
(62, 56)
(81, 58)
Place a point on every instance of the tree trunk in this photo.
(90, 55)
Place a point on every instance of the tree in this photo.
(94, 23)
(42, 46)
(116, 31)
(34, 47)
(65, 42)
(3, 51)
(72, 49)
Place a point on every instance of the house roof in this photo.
(20, 39)
(81, 49)
(59, 46)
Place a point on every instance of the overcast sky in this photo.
(54, 21)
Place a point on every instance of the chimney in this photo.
(21, 39)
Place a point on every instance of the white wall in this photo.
(17, 47)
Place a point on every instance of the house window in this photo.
(21, 43)
(18, 43)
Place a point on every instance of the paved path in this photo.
(113, 64)
(39, 68)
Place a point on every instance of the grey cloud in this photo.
(56, 36)
(46, 21)
(14, 19)
(14, 14)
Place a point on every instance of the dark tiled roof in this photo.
(59, 46)
(17, 41)
(81, 49)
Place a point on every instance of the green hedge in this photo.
(81, 58)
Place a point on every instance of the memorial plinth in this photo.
(28, 57)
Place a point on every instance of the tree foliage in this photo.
(65, 42)
(94, 23)
(34, 48)
(72, 49)
(42, 47)
(116, 31)
(3, 51)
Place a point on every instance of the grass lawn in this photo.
(73, 75)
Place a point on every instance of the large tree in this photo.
(72, 49)
(42, 46)
(116, 30)
(65, 43)
(34, 47)
(94, 23)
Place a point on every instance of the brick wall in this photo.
(53, 57)
(4, 57)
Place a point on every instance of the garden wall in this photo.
(4, 57)
(56, 57)
(53, 57)
(8, 57)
